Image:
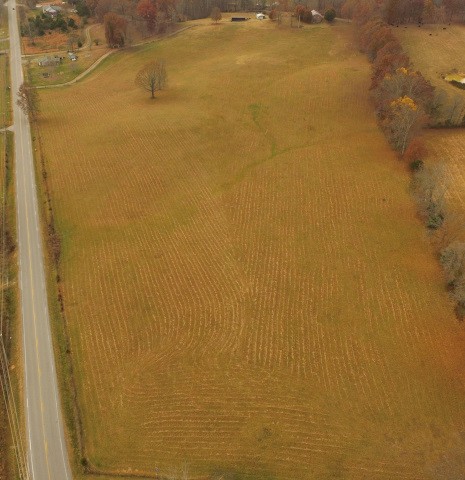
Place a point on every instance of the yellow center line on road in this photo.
(32, 301)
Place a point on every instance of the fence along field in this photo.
(248, 291)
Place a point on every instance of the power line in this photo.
(5, 378)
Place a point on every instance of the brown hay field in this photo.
(248, 291)
(50, 42)
(448, 147)
(435, 51)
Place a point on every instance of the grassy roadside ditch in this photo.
(64, 365)
(11, 430)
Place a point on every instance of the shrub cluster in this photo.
(41, 23)
(330, 15)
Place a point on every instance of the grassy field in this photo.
(248, 291)
(435, 51)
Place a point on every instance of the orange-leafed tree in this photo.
(403, 122)
(388, 59)
(416, 151)
(148, 10)
(403, 83)
(303, 13)
(115, 29)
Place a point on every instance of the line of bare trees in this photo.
(156, 16)
(406, 103)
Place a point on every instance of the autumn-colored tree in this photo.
(115, 29)
(394, 12)
(123, 7)
(404, 120)
(413, 10)
(152, 77)
(403, 83)
(215, 14)
(367, 10)
(147, 10)
(377, 40)
(401, 11)
(303, 13)
(453, 8)
(102, 8)
(416, 152)
(388, 59)
(28, 100)
(91, 5)
(284, 5)
(360, 11)
(365, 32)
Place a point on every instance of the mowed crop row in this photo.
(247, 288)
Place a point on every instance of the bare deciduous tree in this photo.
(152, 77)
(215, 14)
(403, 122)
(28, 100)
(429, 190)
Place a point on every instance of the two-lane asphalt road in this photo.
(47, 455)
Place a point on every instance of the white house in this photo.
(51, 10)
(261, 16)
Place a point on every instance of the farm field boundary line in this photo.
(103, 57)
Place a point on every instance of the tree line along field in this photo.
(248, 291)
(434, 56)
